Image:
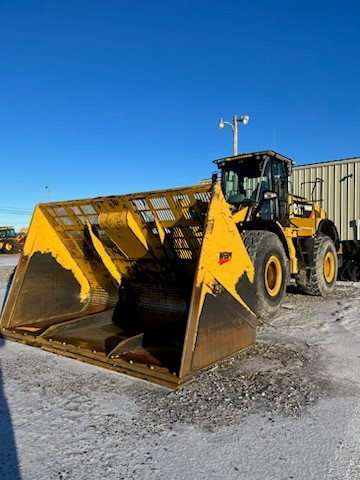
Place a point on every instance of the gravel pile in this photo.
(268, 379)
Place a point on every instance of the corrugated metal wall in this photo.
(338, 194)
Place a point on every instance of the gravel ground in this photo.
(6, 275)
(270, 379)
(286, 408)
(9, 260)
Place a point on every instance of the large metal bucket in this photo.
(157, 285)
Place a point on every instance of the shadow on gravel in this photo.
(7, 289)
(9, 468)
(294, 290)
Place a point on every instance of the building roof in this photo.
(329, 162)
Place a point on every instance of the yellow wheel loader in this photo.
(286, 236)
(8, 240)
(162, 284)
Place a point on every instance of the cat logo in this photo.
(224, 257)
(303, 210)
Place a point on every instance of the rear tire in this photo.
(350, 269)
(8, 247)
(271, 270)
(320, 279)
(11, 246)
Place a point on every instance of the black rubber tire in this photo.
(312, 281)
(15, 247)
(350, 269)
(8, 247)
(261, 245)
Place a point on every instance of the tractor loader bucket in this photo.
(157, 285)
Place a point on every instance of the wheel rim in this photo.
(8, 247)
(329, 267)
(273, 276)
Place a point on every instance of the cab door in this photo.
(281, 187)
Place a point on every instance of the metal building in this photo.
(335, 185)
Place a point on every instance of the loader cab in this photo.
(7, 232)
(259, 180)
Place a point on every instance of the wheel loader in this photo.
(9, 242)
(285, 235)
(162, 284)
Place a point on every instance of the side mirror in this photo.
(214, 177)
(269, 195)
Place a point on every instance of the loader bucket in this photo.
(157, 285)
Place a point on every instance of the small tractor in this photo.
(9, 242)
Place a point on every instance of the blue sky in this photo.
(113, 96)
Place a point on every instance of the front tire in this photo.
(271, 270)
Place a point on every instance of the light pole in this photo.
(244, 119)
(48, 189)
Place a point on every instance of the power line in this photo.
(12, 211)
(15, 207)
(15, 210)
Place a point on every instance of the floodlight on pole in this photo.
(244, 119)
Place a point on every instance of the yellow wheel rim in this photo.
(329, 267)
(273, 276)
(8, 247)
